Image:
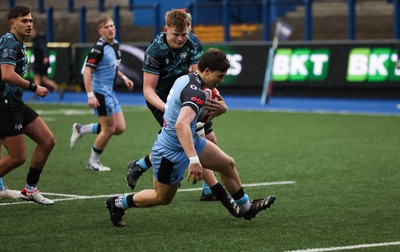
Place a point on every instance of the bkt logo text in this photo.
(372, 65)
(301, 64)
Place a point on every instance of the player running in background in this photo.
(42, 63)
(16, 118)
(99, 76)
(178, 147)
(170, 55)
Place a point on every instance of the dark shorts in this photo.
(158, 114)
(40, 69)
(208, 127)
(13, 121)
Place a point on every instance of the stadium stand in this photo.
(329, 21)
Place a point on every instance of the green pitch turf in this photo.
(344, 187)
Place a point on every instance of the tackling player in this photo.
(170, 55)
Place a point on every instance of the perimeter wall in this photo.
(324, 68)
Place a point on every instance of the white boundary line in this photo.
(77, 197)
(360, 246)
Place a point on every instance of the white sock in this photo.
(89, 128)
(94, 157)
(243, 203)
(30, 188)
(245, 207)
(119, 203)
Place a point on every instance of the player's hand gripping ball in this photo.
(210, 94)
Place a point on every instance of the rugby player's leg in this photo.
(6, 193)
(120, 125)
(107, 131)
(162, 194)
(39, 132)
(206, 193)
(16, 148)
(216, 159)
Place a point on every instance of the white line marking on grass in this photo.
(47, 112)
(245, 185)
(49, 119)
(270, 183)
(360, 246)
(43, 112)
(77, 197)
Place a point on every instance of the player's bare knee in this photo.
(119, 131)
(49, 143)
(231, 164)
(18, 160)
(111, 131)
(108, 133)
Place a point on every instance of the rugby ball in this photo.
(210, 94)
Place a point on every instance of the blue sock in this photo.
(1, 183)
(206, 188)
(243, 200)
(142, 163)
(124, 201)
(95, 127)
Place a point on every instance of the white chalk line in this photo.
(69, 197)
(359, 246)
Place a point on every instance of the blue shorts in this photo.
(169, 166)
(109, 104)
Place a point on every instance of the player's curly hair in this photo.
(214, 59)
(177, 18)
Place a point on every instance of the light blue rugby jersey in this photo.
(187, 91)
(105, 59)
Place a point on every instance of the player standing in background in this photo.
(16, 118)
(170, 55)
(178, 147)
(99, 76)
(42, 63)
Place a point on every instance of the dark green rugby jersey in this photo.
(170, 64)
(12, 52)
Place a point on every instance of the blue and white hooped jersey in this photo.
(105, 59)
(187, 91)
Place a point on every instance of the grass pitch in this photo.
(345, 190)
